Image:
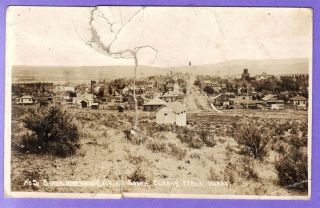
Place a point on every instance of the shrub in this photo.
(279, 131)
(229, 173)
(157, 146)
(233, 128)
(280, 149)
(195, 142)
(31, 143)
(29, 179)
(213, 176)
(177, 152)
(53, 132)
(207, 138)
(299, 141)
(134, 136)
(247, 169)
(190, 137)
(138, 175)
(294, 131)
(195, 156)
(253, 139)
(136, 160)
(157, 135)
(304, 129)
(282, 128)
(209, 90)
(292, 170)
(184, 134)
(18, 111)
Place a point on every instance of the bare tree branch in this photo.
(105, 48)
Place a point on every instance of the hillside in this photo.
(83, 73)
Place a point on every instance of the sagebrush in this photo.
(292, 170)
(253, 139)
(52, 131)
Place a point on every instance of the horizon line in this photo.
(70, 66)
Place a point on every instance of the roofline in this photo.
(153, 104)
(160, 108)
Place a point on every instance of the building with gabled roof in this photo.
(141, 100)
(171, 96)
(266, 99)
(172, 113)
(154, 104)
(299, 102)
(221, 99)
(84, 100)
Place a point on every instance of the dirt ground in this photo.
(109, 159)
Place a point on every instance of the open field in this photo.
(158, 157)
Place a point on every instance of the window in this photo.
(165, 114)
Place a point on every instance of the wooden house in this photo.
(299, 102)
(154, 104)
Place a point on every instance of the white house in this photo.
(25, 100)
(299, 102)
(172, 113)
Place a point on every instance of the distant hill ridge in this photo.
(234, 67)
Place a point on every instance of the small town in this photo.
(159, 101)
(171, 96)
(213, 130)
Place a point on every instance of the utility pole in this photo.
(247, 96)
(190, 84)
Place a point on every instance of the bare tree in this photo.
(106, 47)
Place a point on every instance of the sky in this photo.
(61, 36)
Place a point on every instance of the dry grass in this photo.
(107, 153)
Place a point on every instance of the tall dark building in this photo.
(92, 85)
(245, 75)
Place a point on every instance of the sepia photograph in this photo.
(165, 102)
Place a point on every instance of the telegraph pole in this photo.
(247, 96)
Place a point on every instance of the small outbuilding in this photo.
(25, 100)
(172, 113)
(95, 106)
(275, 104)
